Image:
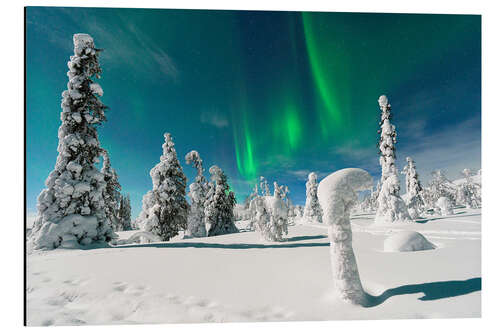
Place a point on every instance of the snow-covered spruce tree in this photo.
(219, 205)
(337, 195)
(439, 186)
(197, 194)
(391, 208)
(71, 209)
(111, 194)
(253, 195)
(414, 200)
(270, 215)
(164, 208)
(124, 213)
(312, 209)
(264, 186)
(469, 192)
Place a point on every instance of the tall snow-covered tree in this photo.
(197, 194)
(124, 213)
(71, 209)
(312, 209)
(264, 186)
(111, 193)
(219, 205)
(391, 208)
(414, 200)
(164, 208)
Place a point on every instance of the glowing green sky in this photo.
(277, 94)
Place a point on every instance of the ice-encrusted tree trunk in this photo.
(197, 194)
(312, 208)
(71, 209)
(337, 195)
(111, 193)
(264, 186)
(164, 208)
(219, 205)
(124, 213)
(414, 199)
(391, 208)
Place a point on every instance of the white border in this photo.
(11, 194)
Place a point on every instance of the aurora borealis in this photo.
(277, 94)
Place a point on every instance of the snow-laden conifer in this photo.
(164, 208)
(124, 213)
(264, 186)
(270, 215)
(71, 209)
(219, 205)
(469, 192)
(439, 186)
(111, 194)
(312, 208)
(414, 200)
(391, 208)
(197, 194)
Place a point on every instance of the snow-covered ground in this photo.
(238, 277)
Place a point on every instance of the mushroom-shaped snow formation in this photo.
(337, 195)
(407, 241)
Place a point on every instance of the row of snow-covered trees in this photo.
(81, 204)
(439, 196)
(165, 210)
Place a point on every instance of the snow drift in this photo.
(407, 241)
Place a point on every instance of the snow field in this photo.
(247, 279)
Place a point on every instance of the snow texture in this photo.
(337, 195)
(312, 208)
(407, 241)
(164, 208)
(159, 283)
(391, 208)
(71, 209)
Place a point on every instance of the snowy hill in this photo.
(245, 279)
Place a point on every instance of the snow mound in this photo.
(407, 241)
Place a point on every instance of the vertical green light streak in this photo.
(292, 127)
(321, 76)
(245, 157)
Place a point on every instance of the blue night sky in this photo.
(277, 94)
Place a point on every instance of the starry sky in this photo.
(278, 94)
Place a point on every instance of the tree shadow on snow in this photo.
(425, 220)
(238, 246)
(301, 238)
(432, 290)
